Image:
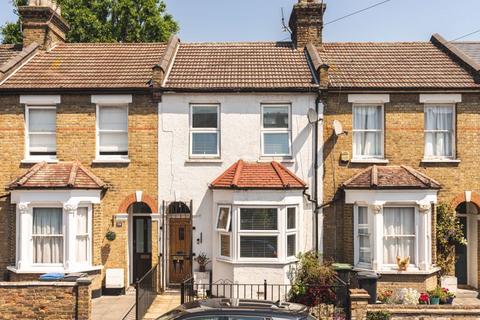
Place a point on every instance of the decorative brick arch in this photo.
(132, 198)
(475, 198)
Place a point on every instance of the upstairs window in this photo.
(41, 132)
(439, 132)
(204, 131)
(367, 131)
(276, 130)
(112, 131)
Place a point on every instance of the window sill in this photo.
(373, 161)
(111, 160)
(441, 161)
(412, 271)
(37, 160)
(204, 160)
(288, 159)
(46, 269)
(262, 262)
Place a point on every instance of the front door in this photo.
(180, 264)
(461, 255)
(142, 246)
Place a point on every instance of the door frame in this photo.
(472, 245)
(153, 217)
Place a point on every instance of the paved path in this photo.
(466, 297)
(163, 303)
(112, 307)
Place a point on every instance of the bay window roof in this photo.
(390, 177)
(257, 175)
(62, 175)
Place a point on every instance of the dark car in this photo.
(238, 309)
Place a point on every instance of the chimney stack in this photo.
(306, 22)
(42, 23)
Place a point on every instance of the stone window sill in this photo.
(372, 161)
(441, 161)
(204, 160)
(111, 160)
(37, 160)
(42, 270)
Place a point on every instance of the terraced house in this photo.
(124, 156)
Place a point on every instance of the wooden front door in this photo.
(180, 264)
(142, 246)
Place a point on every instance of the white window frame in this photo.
(276, 130)
(229, 220)
(204, 130)
(29, 232)
(28, 156)
(382, 131)
(413, 262)
(454, 125)
(293, 231)
(356, 236)
(229, 234)
(88, 235)
(98, 132)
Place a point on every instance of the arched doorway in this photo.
(466, 265)
(140, 239)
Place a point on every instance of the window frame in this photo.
(453, 130)
(28, 154)
(193, 130)
(382, 131)
(229, 219)
(229, 234)
(98, 132)
(88, 235)
(32, 235)
(356, 235)
(291, 231)
(264, 131)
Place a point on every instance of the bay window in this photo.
(399, 234)
(291, 232)
(112, 131)
(276, 130)
(204, 131)
(439, 131)
(82, 236)
(47, 235)
(367, 131)
(363, 235)
(41, 139)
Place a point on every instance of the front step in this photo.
(466, 294)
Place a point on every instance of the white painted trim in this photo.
(138, 196)
(216, 130)
(40, 100)
(365, 158)
(109, 158)
(37, 158)
(372, 197)
(440, 97)
(111, 98)
(368, 98)
(264, 131)
(451, 158)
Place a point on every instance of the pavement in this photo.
(466, 297)
(112, 307)
(163, 303)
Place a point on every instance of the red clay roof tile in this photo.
(253, 175)
(69, 175)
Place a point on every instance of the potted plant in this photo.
(435, 295)
(202, 260)
(385, 296)
(424, 298)
(447, 297)
(449, 234)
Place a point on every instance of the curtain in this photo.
(82, 235)
(47, 235)
(399, 234)
(438, 131)
(367, 127)
(41, 122)
(113, 125)
(258, 219)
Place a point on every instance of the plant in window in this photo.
(202, 260)
(449, 234)
(312, 281)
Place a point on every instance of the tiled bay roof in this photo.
(261, 175)
(255, 65)
(8, 51)
(390, 177)
(90, 65)
(66, 175)
(392, 65)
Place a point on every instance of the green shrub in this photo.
(378, 315)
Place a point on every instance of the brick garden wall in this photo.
(46, 300)
(404, 144)
(76, 140)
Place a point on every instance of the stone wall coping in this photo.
(421, 308)
(359, 294)
(6, 284)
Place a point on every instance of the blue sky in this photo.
(259, 20)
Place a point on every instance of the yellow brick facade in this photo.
(76, 140)
(403, 145)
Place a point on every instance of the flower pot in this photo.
(434, 300)
(202, 268)
(449, 300)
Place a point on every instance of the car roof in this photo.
(219, 306)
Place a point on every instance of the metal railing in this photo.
(146, 292)
(334, 294)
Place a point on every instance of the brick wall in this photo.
(76, 140)
(46, 300)
(404, 144)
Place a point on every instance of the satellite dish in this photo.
(338, 128)
(312, 115)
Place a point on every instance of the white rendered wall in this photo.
(183, 179)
